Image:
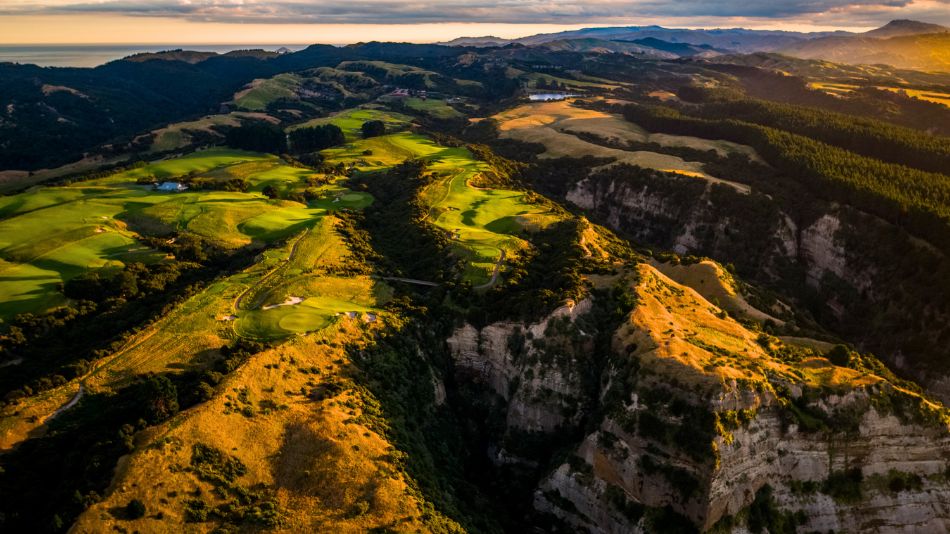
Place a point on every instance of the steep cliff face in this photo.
(699, 419)
(537, 369)
(849, 269)
(608, 486)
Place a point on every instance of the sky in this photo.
(349, 21)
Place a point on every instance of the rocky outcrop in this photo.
(766, 451)
(699, 418)
(866, 270)
(538, 377)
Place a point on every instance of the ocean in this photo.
(95, 55)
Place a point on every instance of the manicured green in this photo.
(482, 222)
(51, 234)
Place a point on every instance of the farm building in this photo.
(171, 186)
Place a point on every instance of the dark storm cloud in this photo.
(502, 11)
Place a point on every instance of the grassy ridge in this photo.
(481, 222)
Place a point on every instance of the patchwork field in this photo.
(551, 124)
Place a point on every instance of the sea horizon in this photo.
(94, 55)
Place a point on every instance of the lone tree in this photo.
(373, 129)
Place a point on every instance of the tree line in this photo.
(868, 137)
(916, 200)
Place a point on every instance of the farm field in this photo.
(49, 235)
(563, 116)
(391, 70)
(551, 124)
(589, 82)
(432, 106)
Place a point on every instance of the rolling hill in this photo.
(605, 282)
(927, 52)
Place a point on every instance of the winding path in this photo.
(494, 274)
(408, 281)
(70, 404)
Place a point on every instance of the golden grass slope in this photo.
(551, 124)
(328, 471)
(680, 335)
(714, 284)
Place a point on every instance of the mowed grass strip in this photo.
(49, 235)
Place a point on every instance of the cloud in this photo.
(845, 12)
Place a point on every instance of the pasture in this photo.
(351, 121)
(555, 124)
(839, 89)
(431, 106)
(260, 93)
(175, 136)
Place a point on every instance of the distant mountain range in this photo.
(905, 44)
(734, 39)
(901, 43)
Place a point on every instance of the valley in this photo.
(379, 288)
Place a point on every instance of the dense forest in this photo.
(868, 137)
